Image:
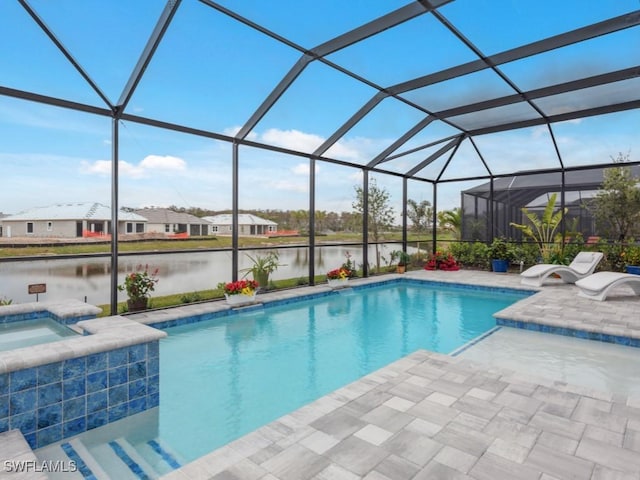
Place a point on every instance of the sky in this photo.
(212, 73)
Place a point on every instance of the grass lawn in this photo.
(8, 250)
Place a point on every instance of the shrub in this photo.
(474, 254)
(500, 249)
(614, 257)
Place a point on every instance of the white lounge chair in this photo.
(598, 285)
(582, 266)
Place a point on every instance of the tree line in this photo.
(381, 215)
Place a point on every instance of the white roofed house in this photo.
(248, 224)
(172, 223)
(70, 220)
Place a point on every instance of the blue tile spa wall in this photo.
(58, 400)
(19, 317)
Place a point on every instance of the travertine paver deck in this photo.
(432, 416)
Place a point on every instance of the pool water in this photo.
(221, 379)
(595, 365)
(26, 333)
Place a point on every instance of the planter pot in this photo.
(500, 266)
(262, 278)
(240, 299)
(337, 282)
(401, 268)
(634, 269)
(137, 305)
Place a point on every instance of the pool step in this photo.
(159, 455)
(66, 454)
(133, 460)
(87, 465)
(113, 466)
(109, 459)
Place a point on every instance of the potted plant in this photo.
(241, 292)
(338, 277)
(500, 255)
(632, 260)
(263, 266)
(403, 259)
(139, 285)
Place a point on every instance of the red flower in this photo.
(441, 261)
(339, 273)
(245, 287)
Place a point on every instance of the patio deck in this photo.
(433, 416)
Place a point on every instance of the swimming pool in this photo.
(25, 333)
(224, 377)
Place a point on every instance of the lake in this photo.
(87, 279)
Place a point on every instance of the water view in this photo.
(87, 279)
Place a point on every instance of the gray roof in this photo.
(243, 219)
(165, 215)
(73, 211)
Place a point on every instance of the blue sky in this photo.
(212, 73)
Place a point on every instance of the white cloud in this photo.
(293, 139)
(99, 167)
(103, 168)
(354, 149)
(150, 163)
(126, 169)
(163, 162)
(357, 149)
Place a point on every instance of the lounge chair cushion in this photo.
(583, 262)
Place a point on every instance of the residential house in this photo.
(169, 222)
(69, 220)
(248, 224)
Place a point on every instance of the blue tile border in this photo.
(570, 332)
(20, 317)
(57, 400)
(75, 457)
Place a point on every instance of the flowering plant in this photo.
(140, 283)
(441, 261)
(241, 287)
(338, 274)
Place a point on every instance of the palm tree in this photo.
(451, 220)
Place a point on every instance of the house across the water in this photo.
(176, 224)
(248, 224)
(69, 220)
